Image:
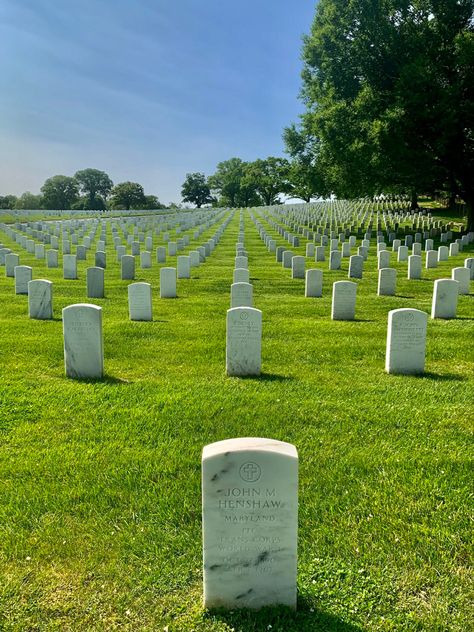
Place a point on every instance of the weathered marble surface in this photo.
(356, 266)
(343, 300)
(335, 260)
(161, 254)
(145, 260)
(101, 259)
(244, 341)
(83, 342)
(69, 267)
(52, 258)
(250, 521)
(463, 276)
(40, 299)
(406, 341)
(139, 301)
(11, 261)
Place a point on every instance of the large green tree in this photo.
(95, 185)
(226, 181)
(127, 195)
(388, 86)
(8, 201)
(268, 177)
(196, 189)
(59, 192)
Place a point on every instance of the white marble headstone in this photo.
(445, 298)
(83, 343)
(406, 341)
(343, 300)
(244, 341)
(40, 299)
(139, 301)
(250, 522)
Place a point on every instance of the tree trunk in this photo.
(469, 199)
(414, 201)
(452, 201)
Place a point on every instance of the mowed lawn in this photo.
(100, 506)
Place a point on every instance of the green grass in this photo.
(100, 525)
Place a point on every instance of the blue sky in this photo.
(146, 90)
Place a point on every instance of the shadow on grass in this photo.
(441, 377)
(304, 619)
(106, 379)
(267, 377)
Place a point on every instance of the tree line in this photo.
(388, 90)
(88, 189)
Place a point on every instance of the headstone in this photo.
(69, 267)
(172, 248)
(39, 251)
(194, 259)
(184, 267)
(356, 264)
(127, 268)
(139, 301)
(23, 275)
(319, 256)
(121, 252)
(145, 260)
(40, 299)
(168, 283)
(335, 260)
(51, 258)
(469, 264)
(387, 282)
(383, 259)
(101, 259)
(12, 260)
(453, 249)
(81, 253)
(443, 253)
(241, 275)
(241, 262)
(244, 341)
(95, 282)
(161, 254)
(406, 341)
(314, 283)
(343, 300)
(431, 259)
(414, 266)
(445, 298)
(416, 249)
(402, 253)
(241, 295)
(83, 343)
(297, 267)
(310, 250)
(279, 253)
(346, 249)
(463, 277)
(287, 257)
(250, 523)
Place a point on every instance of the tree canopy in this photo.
(95, 185)
(196, 189)
(60, 192)
(388, 88)
(127, 195)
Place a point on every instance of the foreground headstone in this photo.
(139, 301)
(343, 300)
(40, 299)
(250, 523)
(445, 298)
(83, 343)
(406, 341)
(244, 341)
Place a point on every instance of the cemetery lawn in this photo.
(100, 507)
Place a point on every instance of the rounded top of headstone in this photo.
(257, 444)
(83, 306)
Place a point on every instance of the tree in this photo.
(127, 195)
(95, 185)
(196, 190)
(305, 179)
(388, 87)
(268, 177)
(227, 179)
(150, 203)
(59, 192)
(29, 201)
(8, 201)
